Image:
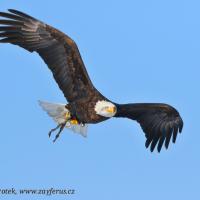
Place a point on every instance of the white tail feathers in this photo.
(58, 113)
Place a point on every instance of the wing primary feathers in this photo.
(175, 132)
(160, 143)
(162, 138)
(168, 135)
(150, 133)
(10, 34)
(9, 28)
(156, 137)
(10, 40)
(11, 22)
(64, 60)
(180, 125)
(21, 14)
(159, 122)
(163, 129)
(11, 16)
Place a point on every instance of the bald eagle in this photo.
(86, 105)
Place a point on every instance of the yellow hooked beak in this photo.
(111, 110)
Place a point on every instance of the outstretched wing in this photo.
(58, 51)
(159, 122)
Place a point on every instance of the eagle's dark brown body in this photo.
(83, 109)
(159, 122)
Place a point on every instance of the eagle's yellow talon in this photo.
(74, 121)
(67, 115)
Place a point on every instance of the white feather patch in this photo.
(81, 129)
(58, 113)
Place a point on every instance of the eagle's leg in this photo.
(62, 126)
(54, 129)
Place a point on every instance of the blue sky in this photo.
(134, 51)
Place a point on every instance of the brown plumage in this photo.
(59, 52)
(159, 122)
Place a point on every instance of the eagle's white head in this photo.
(105, 108)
